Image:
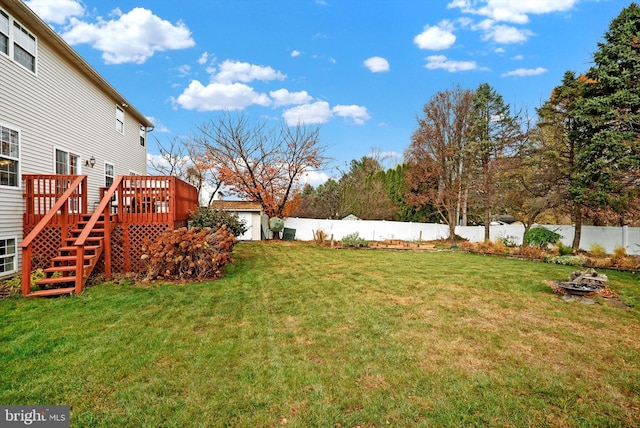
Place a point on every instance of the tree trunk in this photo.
(465, 203)
(577, 221)
(487, 223)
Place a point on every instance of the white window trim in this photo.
(105, 172)
(120, 113)
(12, 40)
(68, 152)
(15, 256)
(143, 135)
(19, 158)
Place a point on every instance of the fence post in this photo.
(625, 237)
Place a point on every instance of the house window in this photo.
(119, 120)
(7, 255)
(143, 134)
(67, 163)
(24, 47)
(17, 42)
(4, 33)
(109, 174)
(9, 156)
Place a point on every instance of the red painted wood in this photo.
(141, 204)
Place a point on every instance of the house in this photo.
(71, 146)
(251, 213)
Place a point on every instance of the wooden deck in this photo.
(69, 242)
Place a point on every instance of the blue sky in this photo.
(361, 70)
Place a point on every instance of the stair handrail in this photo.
(25, 245)
(103, 209)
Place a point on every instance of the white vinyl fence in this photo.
(375, 230)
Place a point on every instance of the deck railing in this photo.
(42, 192)
(50, 200)
(151, 199)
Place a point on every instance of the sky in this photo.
(361, 70)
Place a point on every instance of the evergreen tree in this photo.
(492, 131)
(609, 159)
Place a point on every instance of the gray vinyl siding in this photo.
(60, 107)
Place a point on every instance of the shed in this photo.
(250, 212)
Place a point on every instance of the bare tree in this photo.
(260, 163)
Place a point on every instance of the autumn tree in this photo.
(261, 163)
(437, 156)
(490, 136)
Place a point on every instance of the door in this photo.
(247, 221)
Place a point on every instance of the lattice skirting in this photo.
(126, 246)
(45, 246)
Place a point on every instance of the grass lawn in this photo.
(302, 336)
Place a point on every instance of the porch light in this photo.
(91, 162)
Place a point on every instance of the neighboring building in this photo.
(57, 116)
(251, 213)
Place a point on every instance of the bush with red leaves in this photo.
(188, 254)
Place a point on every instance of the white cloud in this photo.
(377, 64)
(157, 126)
(220, 96)
(236, 71)
(437, 37)
(316, 113)
(131, 37)
(184, 70)
(56, 11)
(203, 58)
(505, 34)
(314, 178)
(283, 97)
(518, 57)
(295, 53)
(358, 114)
(521, 72)
(515, 11)
(435, 62)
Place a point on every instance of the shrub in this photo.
(14, 284)
(563, 250)
(597, 250)
(540, 237)
(354, 240)
(619, 252)
(196, 253)
(507, 240)
(214, 219)
(566, 260)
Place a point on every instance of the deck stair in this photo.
(60, 277)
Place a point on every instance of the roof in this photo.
(236, 205)
(45, 33)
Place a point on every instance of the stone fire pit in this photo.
(582, 282)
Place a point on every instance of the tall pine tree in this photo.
(609, 158)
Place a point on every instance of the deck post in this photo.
(79, 268)
(26, 270)
(107, 241)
